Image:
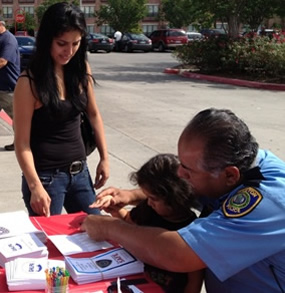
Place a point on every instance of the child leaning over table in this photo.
(168, 205)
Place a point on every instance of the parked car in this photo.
(27, 45)
(194, 36)
(267, 32)
(131, 42)
(167, 39)
(99, 42)
(21, 33)
(213, 32)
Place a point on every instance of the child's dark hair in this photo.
(159, 177)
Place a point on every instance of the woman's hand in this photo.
(102, 173)
(40, 202)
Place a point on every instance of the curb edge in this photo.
(232, 81)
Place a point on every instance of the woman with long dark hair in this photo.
(49, 97)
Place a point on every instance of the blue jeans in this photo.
(73, 192)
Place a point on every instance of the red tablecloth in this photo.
(69, 224)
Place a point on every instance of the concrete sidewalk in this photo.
(10, 173)
(133, 136)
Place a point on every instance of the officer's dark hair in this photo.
(228, 141)
(158, 176)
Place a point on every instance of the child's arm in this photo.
(103, 203)
(195, 281)
(107, 204)
(120, 213)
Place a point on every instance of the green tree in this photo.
(257, 11)
(226, 11)
(183, 13)
(122, 15)
(28, 25)
(280, 11)
(235, 12)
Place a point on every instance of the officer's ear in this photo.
(232, 175)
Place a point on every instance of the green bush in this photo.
(260, 56)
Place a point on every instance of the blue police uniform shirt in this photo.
(243, 242)
(9, 51)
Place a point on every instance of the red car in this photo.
(168, 39)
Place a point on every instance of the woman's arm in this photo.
(102, 172)
(24, 104)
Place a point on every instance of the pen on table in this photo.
(119, 285)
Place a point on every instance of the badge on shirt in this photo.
(242, 203)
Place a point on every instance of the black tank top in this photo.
(56, 141)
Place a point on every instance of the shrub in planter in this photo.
(207, 54)
(260, 56)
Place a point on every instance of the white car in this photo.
(194, 36)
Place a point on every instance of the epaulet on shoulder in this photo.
(242, 202)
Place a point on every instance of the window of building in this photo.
(26, 1)
(7, 12)
(152, 10)
(90, 28)
(29, 9)
(107, 30)
(88, 11)
(149, 28)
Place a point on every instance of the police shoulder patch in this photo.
(241, 203)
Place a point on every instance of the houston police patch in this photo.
(241, 203)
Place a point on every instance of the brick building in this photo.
(9, 8)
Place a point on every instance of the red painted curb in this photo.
(232, 81)
(6, 117)
(171, 70)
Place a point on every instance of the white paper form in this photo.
(16, 223)
(77, 243)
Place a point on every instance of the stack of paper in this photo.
(25, 245)
(16, 223)
(114, 263)
(77, 243)
(29, 273)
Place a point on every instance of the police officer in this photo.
(241, 243)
